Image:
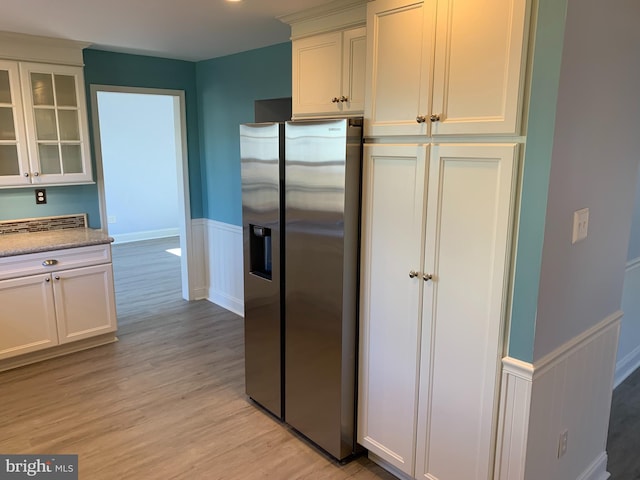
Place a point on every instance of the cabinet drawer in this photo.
(36, 263)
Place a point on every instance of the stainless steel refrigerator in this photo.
(301, 206)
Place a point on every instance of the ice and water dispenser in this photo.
(260, 251)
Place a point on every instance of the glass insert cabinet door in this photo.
(14, 163)
(56, 123)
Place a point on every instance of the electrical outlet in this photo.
(41, 196)
(580, 225)
(111, 219)
(562, 443)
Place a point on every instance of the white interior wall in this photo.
(139, 164)
(594, 165)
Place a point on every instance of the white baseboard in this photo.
(388, 467)
(230, 303)
(224, 260)
(146, 235)
(568, 389)
(597, 470)
(626, 366)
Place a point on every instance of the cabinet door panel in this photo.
(85, 303)
(479, 55)
(354, 69)
(394, 178)
(466, 250)
(14, 162)
(27, 315)
(317, 73)
(400, 52)
(56, 122)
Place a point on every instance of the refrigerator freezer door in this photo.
(261, 147)
(322, 171)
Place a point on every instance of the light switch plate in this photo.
(580, 225)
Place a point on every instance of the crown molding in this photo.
(337, 15)
(35, 48)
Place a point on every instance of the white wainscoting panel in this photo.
(629, 344)
(513, 423)
(199, 271)
(224, 259)
(570, 389)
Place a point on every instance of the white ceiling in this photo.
(182, 29)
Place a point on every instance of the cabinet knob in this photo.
(47, 279)
(344, 99)
(413, 274)
(57, 277)
(334, 100)
(26, 174)
(427, 276)
(35, 174)
(434, 117)
(421, 119)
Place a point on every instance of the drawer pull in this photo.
(49, 263)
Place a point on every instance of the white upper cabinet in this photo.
(14, 161)
(354, 59)
(329, 53)
(328, 74)
(444, 67)
(398, 80)
(56, 121)
(44, 137)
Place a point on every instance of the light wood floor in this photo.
(165, 402)
(147, 279)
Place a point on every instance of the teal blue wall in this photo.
(227, 89)
(21, 203)
(109, 68)
(549, 38)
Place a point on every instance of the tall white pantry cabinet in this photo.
(443, 105)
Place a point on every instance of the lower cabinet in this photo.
(27, 315)
(85, 303)
(436, 234)
(49, 309)
(392, 236)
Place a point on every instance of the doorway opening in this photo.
(142, 168)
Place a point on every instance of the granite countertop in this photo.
(34, 242)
